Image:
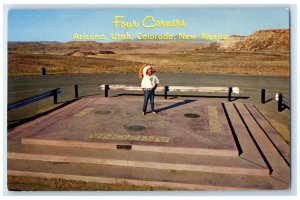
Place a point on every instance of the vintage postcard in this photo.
(149, 99)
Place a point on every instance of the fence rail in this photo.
(35, 98)
(166, 89)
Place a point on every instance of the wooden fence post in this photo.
(166, 91)
(106, 90)
(229, 93)
(76, 91)
(263, 96)
(280, 102)
(55, 96)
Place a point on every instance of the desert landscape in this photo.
(265, 52)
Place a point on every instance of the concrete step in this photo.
(246, 146)
(135, 147)
(279, 168)
(278, 142)
(131, 158)
(141, 176)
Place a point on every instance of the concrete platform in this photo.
(106, 123)
(191, 144)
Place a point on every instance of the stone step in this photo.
(246, 146)
(131, 158)
(279, 168)
(141, 176)
(135, 147)
(279, 143)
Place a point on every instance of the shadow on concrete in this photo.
(268, 100)
(89, 95)
(237, 142)
(255, 142)
(25, 120)
(170, 96)
(175, 105)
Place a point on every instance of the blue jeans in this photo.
(149, 94)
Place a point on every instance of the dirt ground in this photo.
(251, 63)
(42, 184)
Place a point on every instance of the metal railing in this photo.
(35, 98)
(166, 89)
(283, 102)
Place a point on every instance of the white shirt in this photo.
(149, 82)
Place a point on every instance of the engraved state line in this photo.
(139, 138)
(213, 120)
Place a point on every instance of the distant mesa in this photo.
(262, 40)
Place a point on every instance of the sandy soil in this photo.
(252, 63)
(41, 184)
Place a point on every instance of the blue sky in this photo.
(60, 25)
